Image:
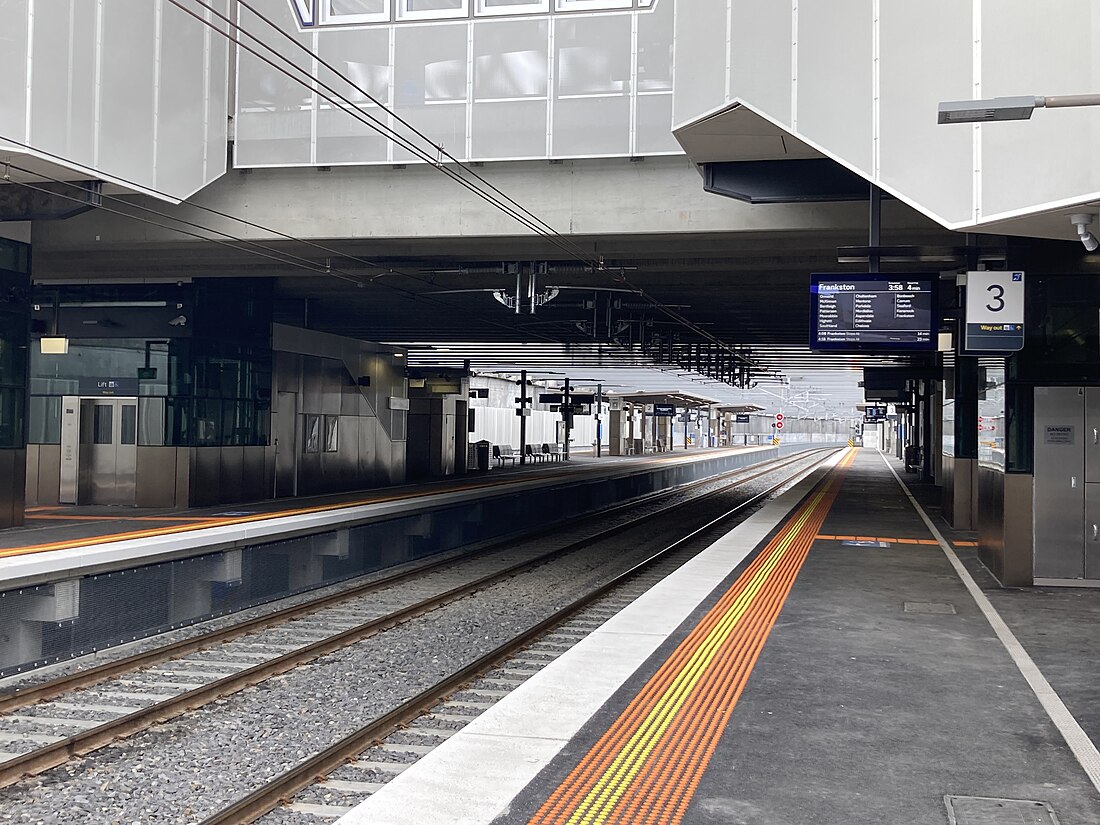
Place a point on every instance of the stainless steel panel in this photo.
(49, 473)
(1092, 433)
(230, 486)
(156, 477)
(70, 450)
(312, 385)
(1059, 492)
(31, 486)
(11, 498)
(254, 486)
(205, 475)
(286, 444)
(1092, 531)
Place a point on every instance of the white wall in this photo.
(860, 81)
(134, 89)
(523, 86)
(495, 418)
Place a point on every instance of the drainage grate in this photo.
(982, 810)
(940, 608)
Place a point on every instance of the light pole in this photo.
(1008, 108)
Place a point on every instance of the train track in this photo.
(257, 650)
(602, 602)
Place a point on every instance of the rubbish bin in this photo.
(481, 449)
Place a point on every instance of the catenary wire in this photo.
(396, 116)
(523, 215)
(372, 123)
(321, 270)
(390, 133)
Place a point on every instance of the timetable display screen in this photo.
(875, 313)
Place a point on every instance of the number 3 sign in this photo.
(994, 311)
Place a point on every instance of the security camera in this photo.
(178, 321)
(1083, 220)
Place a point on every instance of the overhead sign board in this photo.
(550, 398)
(995, 311)
(743, 418)
(872, 415)
(108, 386)
(873, 313)
(664, 410)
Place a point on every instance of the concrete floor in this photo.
(861, 710)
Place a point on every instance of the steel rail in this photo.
(33, 694)
(60, 752)
(269, 796)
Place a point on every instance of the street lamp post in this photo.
(1008, 108)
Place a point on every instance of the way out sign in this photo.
(995, 311)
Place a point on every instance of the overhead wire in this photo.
(301, 263)
(515, 210)
(311, 81)
(526, 217)
(404, 122)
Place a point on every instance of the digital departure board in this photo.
(873, 313)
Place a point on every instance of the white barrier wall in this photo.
(497, 81)
(495, 418)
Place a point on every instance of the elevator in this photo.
(99, 450)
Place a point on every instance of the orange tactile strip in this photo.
(204, 522)
(645, 769)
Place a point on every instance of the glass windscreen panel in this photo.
(493, 7)
(355, 11)
(432, 9)
(103, 424)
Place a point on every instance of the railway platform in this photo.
(837, 657)
(70, 539)
(139, 574)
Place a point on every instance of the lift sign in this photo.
(994, 311)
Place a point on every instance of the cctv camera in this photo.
(1083, 220)
(179, 321)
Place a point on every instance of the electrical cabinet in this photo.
(1067, 483)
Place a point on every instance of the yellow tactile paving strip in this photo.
(646, 767)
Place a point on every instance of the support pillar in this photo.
(960, 466)
(14, 339)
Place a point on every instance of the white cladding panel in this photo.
(134, 89)
(13, 68)
(1045, 49)
(926, 58)
(835, 78)
(498, 82)
(870, 73)
(700, 55)
(761, 68)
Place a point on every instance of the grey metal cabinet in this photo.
(1092, 531)
(1091, 435)
(1059, 483)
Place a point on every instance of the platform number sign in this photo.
(995, 311)
(779, 421)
